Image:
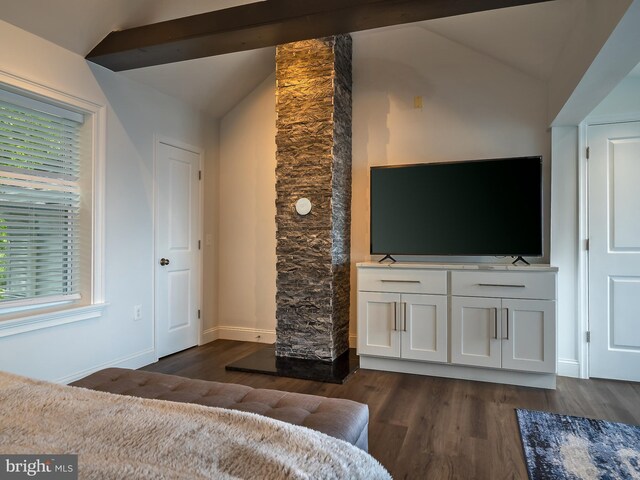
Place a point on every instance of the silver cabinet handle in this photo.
(507, 337)
(395, 316)
(500, 285)
(495, 323)
(404, 317)
(400, 281)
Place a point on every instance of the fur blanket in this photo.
(119, 437)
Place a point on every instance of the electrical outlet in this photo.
(137, 312)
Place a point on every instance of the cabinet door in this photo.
(424, 327)
(378, 324)
(529, 335)
(475, 331)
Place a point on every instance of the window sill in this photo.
(50, 319)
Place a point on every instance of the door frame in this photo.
(157, 140)
(583, 230)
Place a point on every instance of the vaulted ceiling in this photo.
(529, 38)
(79, 25)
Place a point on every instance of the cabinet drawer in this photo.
(388, 279)
(536, 285)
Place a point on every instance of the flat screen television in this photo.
(469, 208)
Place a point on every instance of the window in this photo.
(39, 201)
(40, 215)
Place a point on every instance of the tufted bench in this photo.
(340, 418)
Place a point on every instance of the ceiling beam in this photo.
(268, 23)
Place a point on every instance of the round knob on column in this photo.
(303, 206)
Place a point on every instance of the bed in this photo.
(119, 436)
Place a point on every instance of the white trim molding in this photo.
(50, 319)
(583, 232)
(209, 335)
(96, 115)
(568, 368)
(133, 361)
(172, 142)
(99, 144)
(583, 254)
(245, 334)
(613, 118)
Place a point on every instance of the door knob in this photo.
(164, 261)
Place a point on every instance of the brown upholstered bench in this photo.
(340, 418)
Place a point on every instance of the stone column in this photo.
(313, 104)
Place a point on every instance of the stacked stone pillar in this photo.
(313, 139)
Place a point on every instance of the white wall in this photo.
(247, 246)
(211, 240)
(565, 243)
(134, 114)
(623, 103)
(624, 100)
(591, 30)
(474, 107)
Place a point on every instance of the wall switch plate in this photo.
(208, 239)
(137, 312)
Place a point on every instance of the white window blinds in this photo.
(39, 201)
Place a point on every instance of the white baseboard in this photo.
(568, 368)
(249, 335)
(136, 360)
(209, 335)
(245, 334)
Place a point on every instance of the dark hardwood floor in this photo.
(427, 427)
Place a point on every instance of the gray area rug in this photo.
(562, 447)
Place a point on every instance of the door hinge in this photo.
(199, 244)
(586, 244)
(198, 313)
(199, 174)
(588, 337)
(588, 152)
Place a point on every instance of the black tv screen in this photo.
(474, 208)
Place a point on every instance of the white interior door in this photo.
(614, 251)
(177, 249)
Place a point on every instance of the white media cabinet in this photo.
(493, 323)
